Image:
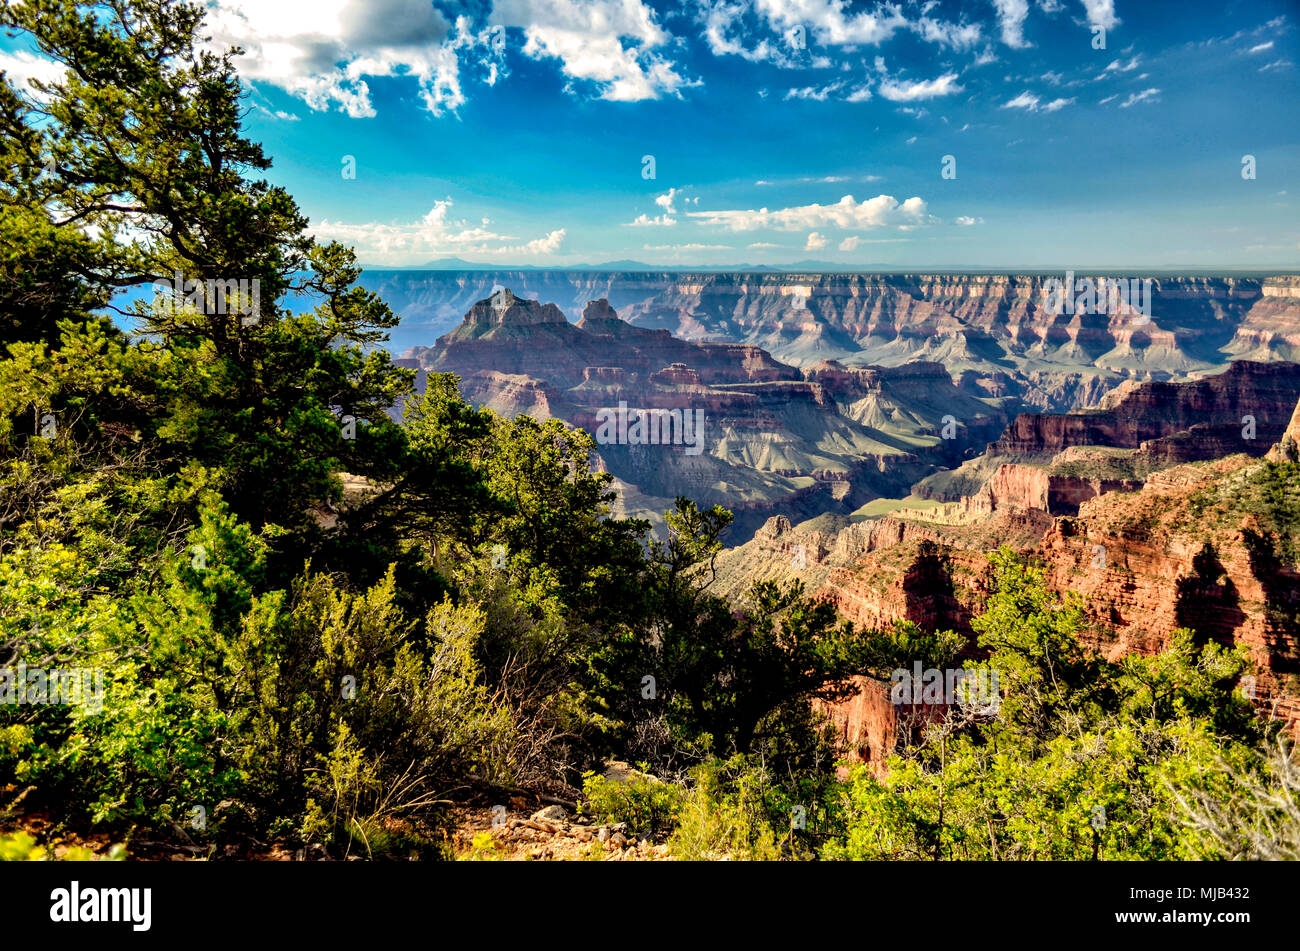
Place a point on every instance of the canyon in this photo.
(994, 332)
(877, 436)
(825, 438)
(1211, 545)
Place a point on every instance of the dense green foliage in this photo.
(317, 625)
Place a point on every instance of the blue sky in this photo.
(514, 131)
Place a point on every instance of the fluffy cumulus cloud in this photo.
(667, 201)
(437, 233)
(324, 50)
(550, 244)
(1011, 21)
(613, 44)
(816, 241)
(645, 221)
(1101, 13)
(847, 214)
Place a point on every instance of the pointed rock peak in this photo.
(502, 298)
(504, 307)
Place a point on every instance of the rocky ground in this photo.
(518, 833)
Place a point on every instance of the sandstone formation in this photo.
(1213, 546)
(1054, 462)
(825, 439)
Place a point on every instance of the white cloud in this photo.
(782, 31)
(850, 243)
(1011, 18)
(1276, 64)
(1025, 100)
(323, 51)
(817, 180)
(667, 199)
(829, 23)
(816, 241)
(21, 66)
(966, 221)
(1101, 13)
(1031, 103)
(878, 212)
(723, 19)
(1261, 47)
(547, 245)
(901, 90)
(437, 233)
(813, 93)
(955, 36)
(1146, 95)
(588, 38)
(1119, 66)
(645, 221)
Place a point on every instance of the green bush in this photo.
(648, 805)
(728, 815)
